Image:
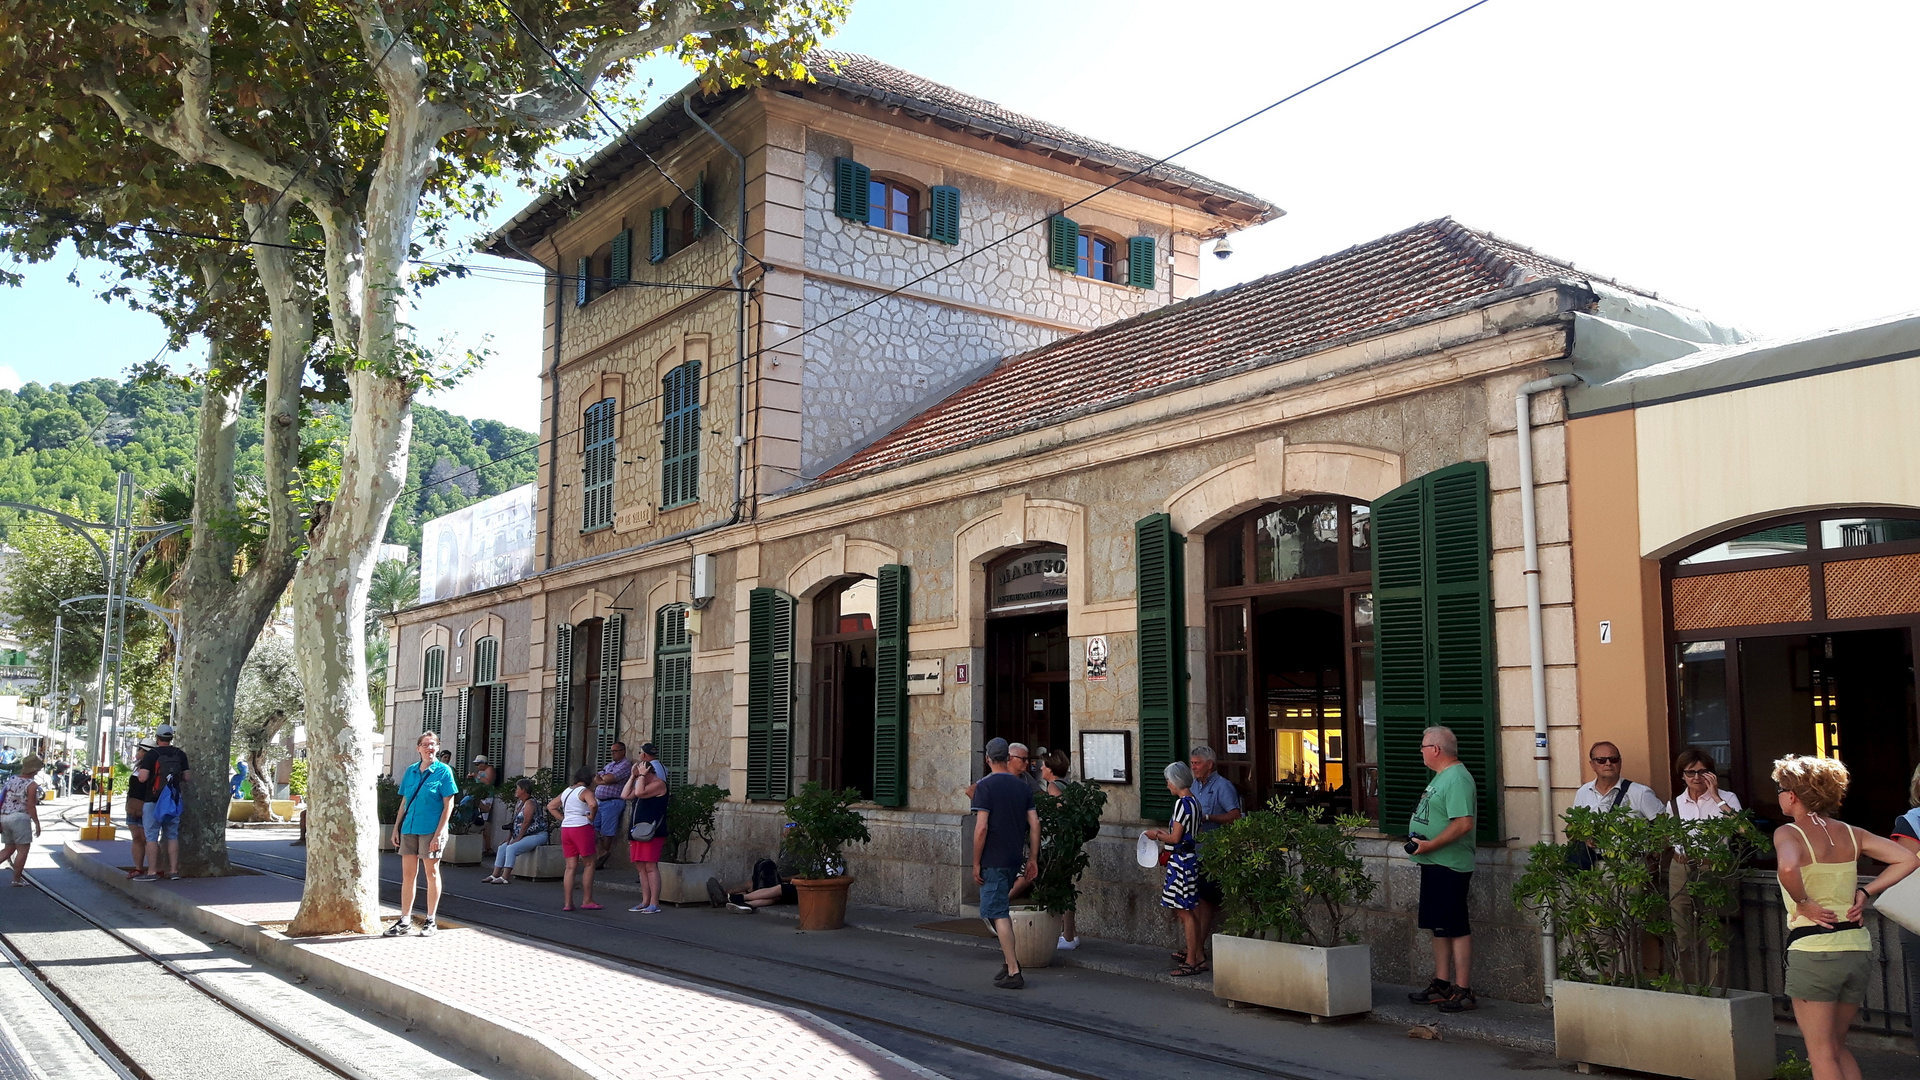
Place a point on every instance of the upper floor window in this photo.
(596, 509)
(1095, 258)
(892, 205)
(680, 439)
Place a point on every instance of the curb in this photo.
(531, 1053)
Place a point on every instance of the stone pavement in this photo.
(566, 1015)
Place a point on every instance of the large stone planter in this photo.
(684, 883)
(1309, 979)
(386, 837)
(823, 902)
(1036, 935)
(544, 863)
(1700, 1038)
(462, 850)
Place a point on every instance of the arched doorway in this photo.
(1028, 683)
(1290, 653)
(845, 639)
(1796, 636)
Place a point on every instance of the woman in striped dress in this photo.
(1181, 892)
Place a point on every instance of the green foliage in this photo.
(1288, 875)
(1792, 1067)
(1601, 914)
(1067, 822)
(297, 778)
(822, 821)
(689, 818)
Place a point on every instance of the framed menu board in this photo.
(1106, 757)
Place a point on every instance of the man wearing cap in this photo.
(607, 785)
(651, 759)
(165, 771)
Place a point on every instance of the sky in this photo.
(1752, 160)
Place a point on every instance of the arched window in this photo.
(1098, 257)
(1290, 653)
(893, 204)
(596, 500)
(1796, 636)
(433, 681)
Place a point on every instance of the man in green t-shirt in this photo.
(1441, 842)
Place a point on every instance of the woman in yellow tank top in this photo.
(1828, 948)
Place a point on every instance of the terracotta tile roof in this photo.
(858, 76)
(1354, 292)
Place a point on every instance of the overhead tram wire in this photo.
(990, 245)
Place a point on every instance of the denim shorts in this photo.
(159, 831)
(606, 820)
(994, 889)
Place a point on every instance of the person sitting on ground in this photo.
(529, 832)
(752, 899)
(1053, 780)
(20, 817)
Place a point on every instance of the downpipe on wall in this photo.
(1536, 640)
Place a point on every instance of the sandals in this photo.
(589, 906)
(1183, 970)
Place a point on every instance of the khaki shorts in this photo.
(16, 829)
(417, 844)
(1829, 976)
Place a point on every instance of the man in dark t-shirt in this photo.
(164, 767)
(1005, 827)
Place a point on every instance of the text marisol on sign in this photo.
(1031, 579)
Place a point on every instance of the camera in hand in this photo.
(1413, 843)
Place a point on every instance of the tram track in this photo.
(1180, 1060)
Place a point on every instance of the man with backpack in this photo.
(165, 773)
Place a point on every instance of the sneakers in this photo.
(740, 906)
(146, 877)
(638, 907)
(1066, 945)
(716, 893)
(1461, 1000)
(1015, 981)
(429, 928)
(650, 909)
(399, 929)
(1436, 992)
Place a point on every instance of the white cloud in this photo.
(9, 379)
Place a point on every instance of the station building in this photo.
(821, 506)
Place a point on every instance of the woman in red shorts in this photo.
(575, 808)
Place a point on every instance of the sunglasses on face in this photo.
(1605, 760)
(1696, 772)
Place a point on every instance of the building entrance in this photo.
(1028, 683)
(1798, 638)
(840, 747)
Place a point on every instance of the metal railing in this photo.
(1757, 958)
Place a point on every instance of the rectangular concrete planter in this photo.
(463, 850)
(544, 863)
(1309, 979)
(1700, 1038)
(684, 883)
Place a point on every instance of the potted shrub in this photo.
(690, 820)
(1067, 823)
(1607, 1008)
(821, 822)
(1293, 884)
(464, 842)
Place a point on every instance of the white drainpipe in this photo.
(1536, 644)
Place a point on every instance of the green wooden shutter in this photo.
(1433, 627)
(890, 686)
(581, 275)
(943, 217)
(433, 677)
(486, 661)
(1159, 590)
(1140, 265)
(1063, 243)
(1400, 648)
(606, 712)
(702, 206)
(497, 727)
(673, 690)
(657, 235)
(680, 437)
(562, 701)
(622, 261)
(463, 704)
(851, 197)
(769, 694)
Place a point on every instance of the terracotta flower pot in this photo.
(823, 902)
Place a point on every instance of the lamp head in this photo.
(1222, 248)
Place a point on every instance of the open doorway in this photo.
(1029, 687)
(845, 638)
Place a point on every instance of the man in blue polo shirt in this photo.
(1219, 805)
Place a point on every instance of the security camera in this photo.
(1222, 248)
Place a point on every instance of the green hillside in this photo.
(62, 445)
